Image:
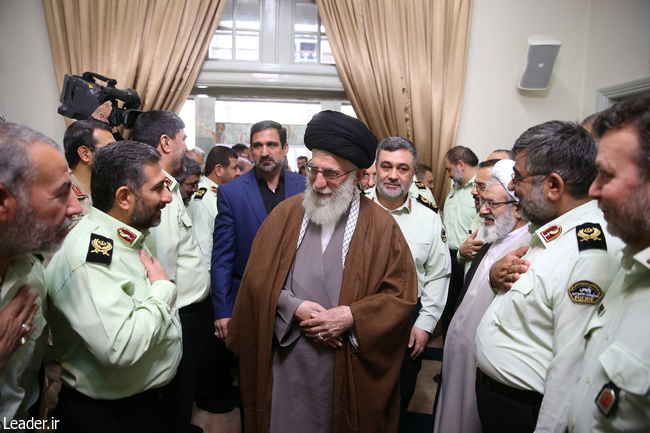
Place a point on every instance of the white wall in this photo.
(28, 89)
(604, 43)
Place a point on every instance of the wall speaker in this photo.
(539, 62)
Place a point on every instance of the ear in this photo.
(285, 148)
(360, 174)
(461, 165)
(516, 208)
(124, 198)
(84, 153)
(8, 205)
(166, 146)
(553, 187)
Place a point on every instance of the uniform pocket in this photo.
(512, 313)
(626, 369)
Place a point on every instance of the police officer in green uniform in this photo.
(530, 341)
(33, 172)
(111, 305)
(422, 227)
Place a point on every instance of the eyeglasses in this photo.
(327, 174)
(480, 186)
(490, 204)
(192, 185)
(517, 179)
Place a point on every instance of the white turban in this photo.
(502, 171)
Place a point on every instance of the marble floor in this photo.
(420, 408)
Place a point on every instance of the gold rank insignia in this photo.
(428, 203)
(590, 236)
(213, 189)
(443, 235)
(419, 184)
(551, 233)
(200, 193)
(126, 235)
(168, 182)
(585, 292)
(100, 250)
(77, 191)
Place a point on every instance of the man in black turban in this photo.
(319, 326)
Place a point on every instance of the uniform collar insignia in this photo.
(168, 182)
(551, 233)
(126, 235)
(78, 191)
(213, 189)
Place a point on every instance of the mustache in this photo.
(266, 158)
(489, 217)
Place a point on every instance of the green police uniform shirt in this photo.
(203, 209)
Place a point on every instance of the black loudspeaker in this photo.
(539, 62)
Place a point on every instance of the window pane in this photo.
(226, 17)
(306, 48)
(247, 14)
(221, 45)
(326, 55)
(306, 19)
(248, 46)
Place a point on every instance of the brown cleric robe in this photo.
(378, 284)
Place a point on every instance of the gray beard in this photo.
(502, 226)
(328, 210)
(536, 208)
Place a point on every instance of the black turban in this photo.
(343, 136)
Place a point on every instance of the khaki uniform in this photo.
(115, 333)
(203, 209)
(531, 337)
(19, 379)
(424, 233)
(459, 212)
(617, 354)
(173, 243)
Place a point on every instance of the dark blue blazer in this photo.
(241, 212)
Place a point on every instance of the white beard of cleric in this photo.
(503, 225)
(326, 210)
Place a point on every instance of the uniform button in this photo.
(573, 424)
(607, 336)
(588, 379)
(618, 379)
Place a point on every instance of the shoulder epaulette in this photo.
(428, 204)
(100, 250)
(591, 237)
(200, 193)
(419, 184)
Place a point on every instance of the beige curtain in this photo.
(402, 63)
(156, 47)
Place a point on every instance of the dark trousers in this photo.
(196, 320)
(214, 377)
(455, 285)
(145, 412)
(408, 376)
(504, 409)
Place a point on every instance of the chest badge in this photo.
(127, 235)
(607, 399)
(551, 233)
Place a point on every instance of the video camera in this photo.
(82, 95)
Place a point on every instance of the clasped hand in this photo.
(330, 324)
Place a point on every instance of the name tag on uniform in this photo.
(607, 399)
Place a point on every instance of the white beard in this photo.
(329, 209)
(502, 226)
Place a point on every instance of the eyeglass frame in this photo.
(493, 204)
(331, 175)
(517, 179)
(192, 185)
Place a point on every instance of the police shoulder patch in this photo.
(590, 237)
(428, 203)
(200, 193)
(585, 292)
(100, 249)
(419, 184)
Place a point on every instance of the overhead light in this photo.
(202, 87)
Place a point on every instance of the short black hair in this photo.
(151, 125)
(421, 171)
(462, 153)
(81, 133)
(565, 148)
(635, 113)
(488, 163)
(219, 155)
(192, 167)
(391, 144)
(268, 124)
(239, 148)
(119, 164)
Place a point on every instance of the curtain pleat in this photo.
(402, 64)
